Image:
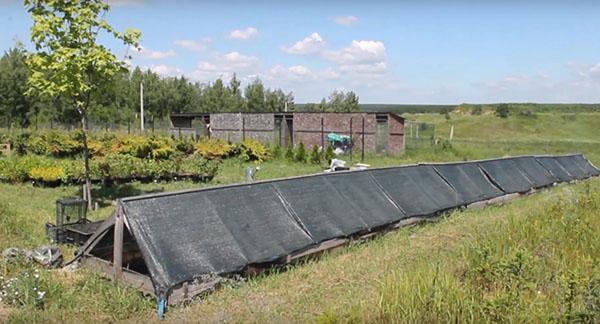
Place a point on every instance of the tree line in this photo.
(119, 101)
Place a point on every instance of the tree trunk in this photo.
(87, 194)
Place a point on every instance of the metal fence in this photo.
(419, 135)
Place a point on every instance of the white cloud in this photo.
(151, 54)
(225, 66)
(346, 20)
(359, 52)
(194, 45)
(166, 70)
(299, 70)
(311, 44)
(244, 34)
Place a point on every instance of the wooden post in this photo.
(118, 247)
(351, 140)
(362, 155)
(243, 129)
(142, 107)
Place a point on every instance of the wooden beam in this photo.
(118, 247)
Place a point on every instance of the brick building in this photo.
(381, 132)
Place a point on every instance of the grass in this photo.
(461, 268)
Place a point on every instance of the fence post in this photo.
(351, 139)
(243, 129)
(362, 154)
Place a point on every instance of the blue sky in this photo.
(388, 52)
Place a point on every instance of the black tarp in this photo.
(555, 168)
(571, 164)
(583, 163)
(337, 205)
(507, 175)
(418, 190)
(469, 181)
(222, 230)
(213, 231)
(534, 171)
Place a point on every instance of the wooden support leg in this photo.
(118, 248)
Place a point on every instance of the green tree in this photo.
(15, 106)
(255, 96)
(300, 155)
(236, 101)
(69, 62)
(315, 155)
(351, 102)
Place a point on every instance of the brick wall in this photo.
(396, 137)
(307, 128)
(235, 127)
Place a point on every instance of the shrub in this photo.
(47, 174)
(199, 166)
(185, 145)
(315, 155)
(476, 110)
(329, 154)
(502, 111)
(214, 148)
(276, 151)
(289, 153)
(300, 155)
(252, 150)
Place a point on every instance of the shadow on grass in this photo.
(106, 194)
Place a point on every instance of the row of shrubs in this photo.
(68, 145)
(114, 167)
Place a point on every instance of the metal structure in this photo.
(72, 225)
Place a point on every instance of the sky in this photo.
(401, 52)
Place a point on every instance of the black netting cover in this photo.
(571, 164)
(212, 231)
(555, 168)
(507, 175)
(418, 190)
(337, 205)
(469, 181)
(583, 163)
(222, 230)
(535, 172)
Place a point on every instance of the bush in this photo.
(47, 174)
(502, 111)
(199, 166)
(252, 150)
(185, 145)
(276, 151)
(329, 154)
(300, 155)
(476, 110)
(214, 148)
(289, 153)
(315, 155)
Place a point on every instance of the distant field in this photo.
(408, 108)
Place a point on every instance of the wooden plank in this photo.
(327, 245)
(136, 280)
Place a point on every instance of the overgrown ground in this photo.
(535, 259)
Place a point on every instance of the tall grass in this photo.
(541, 267)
